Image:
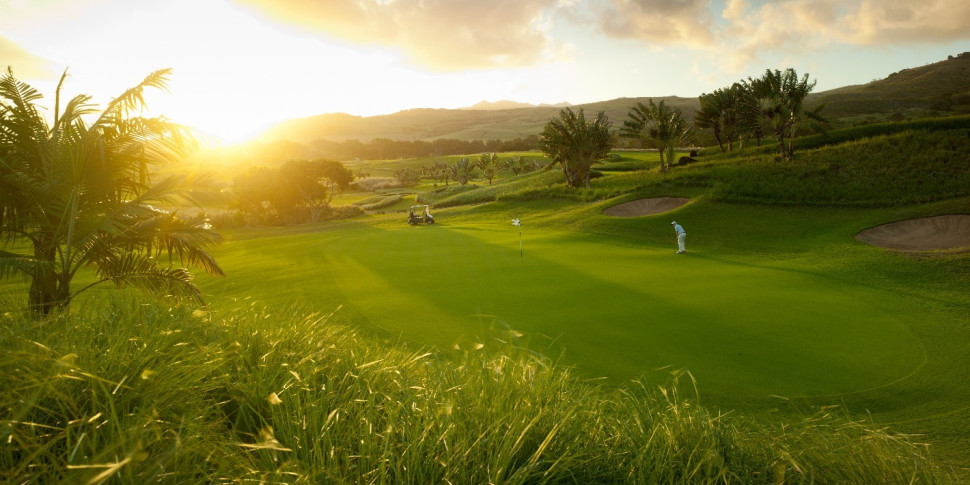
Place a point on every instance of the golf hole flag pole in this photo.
(517, 223)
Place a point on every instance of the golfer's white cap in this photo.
(672, 223)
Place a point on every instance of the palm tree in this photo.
(719, 112)
(795, 91)
(710, 115)
(774, 103)
(576, 144)
(659, 125)
(81, 195)
(489, 163)
(461, 171)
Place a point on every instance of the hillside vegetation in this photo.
(941, 88)
(889, 164)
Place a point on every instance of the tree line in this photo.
(756, 108)
(464, 169)
(386, 149)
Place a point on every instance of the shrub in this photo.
(384, 202)
(344, 212)
(373, 184)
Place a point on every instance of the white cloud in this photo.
(24, 64)
(684, 23)
(746, 31)
(441, 34)
(794, 26)
(896, 22)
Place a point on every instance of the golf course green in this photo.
(768, 303)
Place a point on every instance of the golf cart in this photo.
(420, 213)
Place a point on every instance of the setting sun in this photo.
(240, 65)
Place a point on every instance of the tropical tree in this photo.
(407, 176)
(489, 164)
(253, 190)
(576, 143)
(79, 192)
(661, 126)
(516, 165)
(719, 112)
(710, 115)
(461, 171)
(311, 184)
(774, 103)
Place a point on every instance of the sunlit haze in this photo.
(241, 65)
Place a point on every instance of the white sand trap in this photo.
(645, 207)
(951, 232)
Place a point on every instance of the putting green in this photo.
(619, 311)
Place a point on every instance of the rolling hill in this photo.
(460, 124)
(939, 88)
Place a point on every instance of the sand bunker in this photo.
(951, 232)
(644, 207)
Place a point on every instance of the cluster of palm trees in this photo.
(464, 169)
(772, 105)
(80, 191)
(575, 143)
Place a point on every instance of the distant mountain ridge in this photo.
(461, 124)
(938, 88)
(508, 104)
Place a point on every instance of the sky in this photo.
(240, 65)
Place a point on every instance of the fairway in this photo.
(615, 310)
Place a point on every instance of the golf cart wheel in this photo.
(412, 223)
(430, 221)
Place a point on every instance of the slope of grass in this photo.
(137, 393)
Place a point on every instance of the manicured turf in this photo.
(747, 323)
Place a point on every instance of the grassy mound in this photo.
(139, 393)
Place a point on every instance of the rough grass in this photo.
(379, 202)
(910, 167)
(137, 393)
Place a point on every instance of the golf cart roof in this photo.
(416, 206)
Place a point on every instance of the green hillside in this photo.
(936, 89)
(941, 87)
(461, 124)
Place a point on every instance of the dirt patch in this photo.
(950, 232)
(645, 207)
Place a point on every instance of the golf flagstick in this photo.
(517, 223)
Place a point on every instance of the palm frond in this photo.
(12, 263)
(142, 271)
(194, 189)
(133, 98)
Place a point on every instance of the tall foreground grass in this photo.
(130, 392)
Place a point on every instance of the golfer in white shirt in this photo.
(681, 235)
